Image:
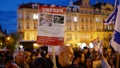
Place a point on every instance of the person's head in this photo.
(85, 50)
(105, 52)
(19, 57)
(40, 63)
(44, 51)
(79, 57)
(112, 58)
(97, 56)
(88, 62)
(9, 59)
(45, 17)
(65, 56)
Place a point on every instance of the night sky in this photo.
(8, 10)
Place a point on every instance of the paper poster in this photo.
(51, 25)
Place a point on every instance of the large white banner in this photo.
(51, 25)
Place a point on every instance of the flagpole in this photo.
(117, 60)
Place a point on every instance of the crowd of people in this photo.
(67, 57)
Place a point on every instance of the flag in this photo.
(112, 17)
(115, 41)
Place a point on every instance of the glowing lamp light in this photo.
(91, 45)
(8, 38)
(35, 45)
(79, 44)
(1, 43)
(67, 44)
(21, 46)
(83, 45)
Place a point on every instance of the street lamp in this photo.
(8, 38)
(1, 43)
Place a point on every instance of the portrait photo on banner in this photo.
(45, 20)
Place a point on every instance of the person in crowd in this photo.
(27, 55)
(106, 53)
(19, 59)
(78, 61)
(65, 57)
(10, 62)
(44, 53)
(40, 63)
(97, 61)
(86, 52)
(2, 62)
(104, 62)
(44, 61)
(112, 60)
(88, 62)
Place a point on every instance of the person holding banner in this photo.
(65, 57)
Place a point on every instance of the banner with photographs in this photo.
(51, 25)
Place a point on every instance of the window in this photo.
(35, 6)
(75, 26)
(90, 20)
(28, 36)
(35, 16)
(68, 18)
(27, 16)
(75, 36)
(82, 27)
(97, 20)
(86, 27)
(19, 25)
(74, 9)
(70, 36)
(82, 19)
(19, 15)
(90, 27)
(68, 9)
(75, 18)
(27, 25)
(86, 20)
(34, 26)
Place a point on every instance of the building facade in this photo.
(27, 21)
(89, 24)
(84, 22)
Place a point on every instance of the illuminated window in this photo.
(75, 19)
(97, 20)
(35, 16)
